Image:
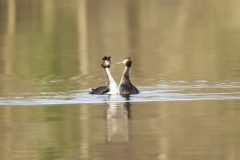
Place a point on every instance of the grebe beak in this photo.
(110, 63)
(120, 62)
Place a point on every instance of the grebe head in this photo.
(106, 62)
(127, 61)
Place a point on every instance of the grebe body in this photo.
(125, 86)
(111, 88)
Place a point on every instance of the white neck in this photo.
(125, 70)
(111, 83)
(122, 79)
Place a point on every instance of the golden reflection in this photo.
(163, 142)
(11, 17)
(7, 143)
(117, 116)
(83, 37)
(8, 52)
(84, 130)
(9, 42)
(83, 68)
(48, 16)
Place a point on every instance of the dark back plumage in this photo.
(128, 89)
(100, 90)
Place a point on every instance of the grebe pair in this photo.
(125, 86)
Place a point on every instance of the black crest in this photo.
(106, 58)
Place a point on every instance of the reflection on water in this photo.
(157, 130)
(118, 115)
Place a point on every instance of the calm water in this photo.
(186, 64)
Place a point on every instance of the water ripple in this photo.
(166, 91)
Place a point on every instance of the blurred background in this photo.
(51, 40)
(55, 47)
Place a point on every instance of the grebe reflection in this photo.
(117, 116)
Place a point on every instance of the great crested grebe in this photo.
(111, 88)
(125, 86)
